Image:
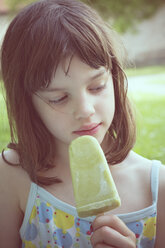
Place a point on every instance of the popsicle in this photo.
(94, 188)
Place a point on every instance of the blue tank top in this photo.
(52, 223)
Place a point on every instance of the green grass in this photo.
(4, 126)
(150, 116)
(145, 70)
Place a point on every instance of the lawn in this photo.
(150, 115)
(145, 70)
(4, 127)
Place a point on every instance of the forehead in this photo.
(75, 70)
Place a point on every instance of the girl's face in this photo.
(80, 102)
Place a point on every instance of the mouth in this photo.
(88, 129)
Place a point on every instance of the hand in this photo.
(111, 232)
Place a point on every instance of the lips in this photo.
(88, 129)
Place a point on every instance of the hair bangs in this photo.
(55, 36)
(87, 39)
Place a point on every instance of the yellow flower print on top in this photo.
(33, 214)
(76, 245)
(29, 244)
(48, 204)
(48, 246)
(149, 230)
(63, 220)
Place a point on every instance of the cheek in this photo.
(107, 104)
(55, 123)
(52, 120)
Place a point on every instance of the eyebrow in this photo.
(97, 75)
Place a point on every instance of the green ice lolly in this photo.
(94, 189)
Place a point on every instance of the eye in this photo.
(59, 100)
(98, 88)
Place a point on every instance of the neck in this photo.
(62, 157)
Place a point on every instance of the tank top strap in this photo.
(30, 203)
(155, 180)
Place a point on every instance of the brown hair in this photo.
(39, 37)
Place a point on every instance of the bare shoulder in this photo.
(161, 198)
(160, 210)
(8, 175)
(13, 179)
(133, 175)
(143, 165)
(138, 161)
(11, 171)
(8, 172)
(162, 178)
(14, 187)
(136, 165)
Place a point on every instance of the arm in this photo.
(10, 213)
(160, 209)
(110, 231)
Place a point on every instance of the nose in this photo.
(84, 107)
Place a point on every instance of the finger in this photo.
(111, 221)
(110, 237)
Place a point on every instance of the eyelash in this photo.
(60, 100)
(64, 98)
(99, 88)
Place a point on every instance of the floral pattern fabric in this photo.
(51, 223)
(49, 227)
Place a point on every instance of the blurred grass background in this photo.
(150, 127)
(4, 126)
(150, 115)
(149, 70)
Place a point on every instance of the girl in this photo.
(63, 78)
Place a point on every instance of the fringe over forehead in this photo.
(49, 31)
